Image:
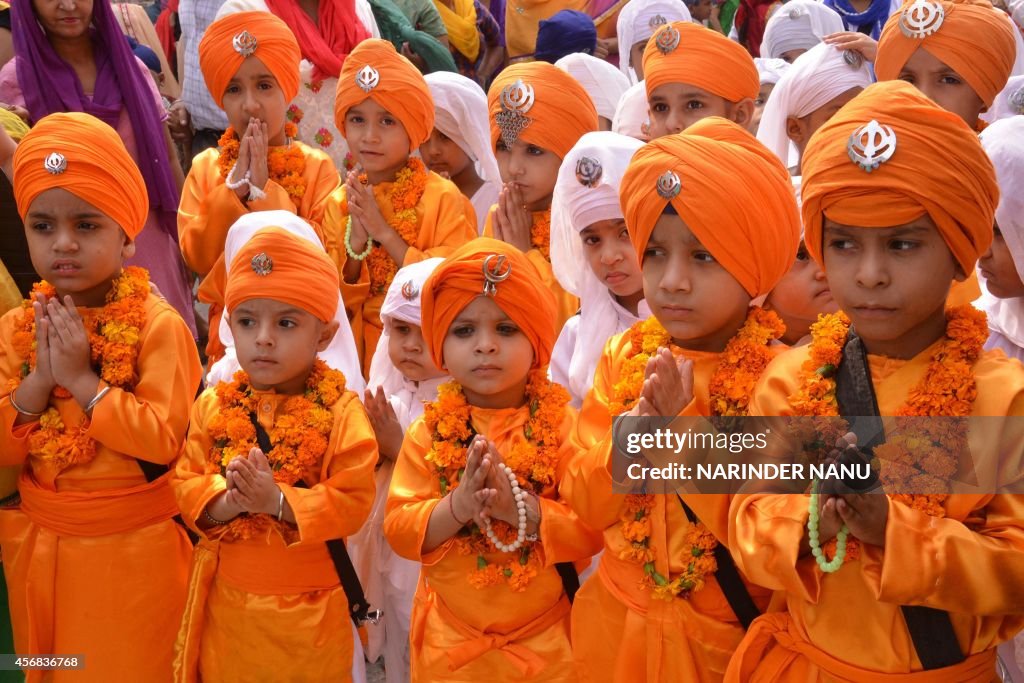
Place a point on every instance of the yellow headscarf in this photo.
(461, 26)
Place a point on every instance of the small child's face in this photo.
(377, 140)
(943, 85)
(697, 301)
(408, 352)
(674, 107)
(611, 257)
(801, 296)
(489, 355)
(442, 155)
(789, 56)
(534, 169)
(891, 282)
(74, 246)
(999, 270)
(277, 343)
(636, 58)
(800, 130)
(701, 10)
(254, 93)
(762, 99)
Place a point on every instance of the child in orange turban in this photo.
(250, 61)
(98, 376)
(278, 461)
(395, 212)
(704, 262)
(474, 496)
(892, 227)
(538, 112)
(692, 73)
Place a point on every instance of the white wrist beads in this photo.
(520, 497)
(255, 193)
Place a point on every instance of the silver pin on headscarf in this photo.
(516, 100)
(667, 39)
(55, 163)
(493, 275)
(668, 185)
(871, 145)
(656, 21)
(588, 171)
(1016, 100)
(921, 18)
(409, 291)
(244, 43)
(853, 59)
(367, 78)
(262, 264)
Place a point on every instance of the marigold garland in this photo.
(114, 332)
(534, 462)
(286, 165)
(540, 233)
(299, 437)
(742, 363)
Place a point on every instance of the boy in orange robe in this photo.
(94, 412)
(264, 596)
(396, 212)
(474, 495)
(538, 113)
(642, 617)
(891, 240)
(250, 61)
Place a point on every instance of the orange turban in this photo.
(937, 167)
(730, 191)
(975, 40)
(277, 264)
(684, 52)
(523, 296)
(555, 108)
(374, 70)
(229, 39)
(83, 155)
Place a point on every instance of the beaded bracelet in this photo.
(520, 498)
(348, 243)
(234, 185)
(827, 566)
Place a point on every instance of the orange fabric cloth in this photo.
(960, 194)
(523, 17)
(276, 48)
(460, 279)
(208, 210)
(620, 631)
(446, 222)
(562, 111)
(753, 233)
(274, 603)
(400, 89)
(96, 535)
(969, 563)
(299, 274)
(975, 40)
(703, 58)
(96, 168)
(493, 633)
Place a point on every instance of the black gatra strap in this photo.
(570, 579)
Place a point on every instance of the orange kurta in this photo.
(208, 209)
(493, 633)
(848, 626)
(261, 607)
(619, 631)
(523, 17)
(93, 559)
(446, 222)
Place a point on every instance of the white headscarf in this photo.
(1009, 102)
(340, 355)
(815, 78)
(770, 69)
(632, 115)
(639, 20)
(1004, 143)
(574, 206)
(602, 81)
(402, 302)
(799, 25)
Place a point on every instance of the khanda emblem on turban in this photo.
(669, 185)
(853, 59)
(871, 145)
(367, 78)
(516, 99)
(55, 163)
(656, 21)
(1017, 100)
(588, 171)
(244, 43)
(921, 18)
(667, 40)
(262, 264)
(409, 291)
(493, 274)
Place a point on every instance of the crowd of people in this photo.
(318, 317)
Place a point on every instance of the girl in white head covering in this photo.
(1001, 269)
(632, 115)
(603, 82)
(798, 26)
(340, 355)
(592, 256)
(460, 146)
(770, 70)
(638, 21)
(402, 377)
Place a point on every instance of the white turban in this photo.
(632, 115)
(639, 20)
(770, 69)
(799, 25)
(602, 81)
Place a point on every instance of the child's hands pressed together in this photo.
(42, 371)
(252, 482)
(258, 138)
(865, 515)
(668, 385)
(362, 206)
(70, 355)
(466, 499)
(497, 500)
(385, 423)
(513, 223)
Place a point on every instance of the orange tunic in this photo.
(446, 221)
(208, 209)
(619, 631)
(95, 563)
(459, 632)
(848, 626)
(264, 606)
(523, 17)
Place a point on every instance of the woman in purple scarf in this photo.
(70, 55)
